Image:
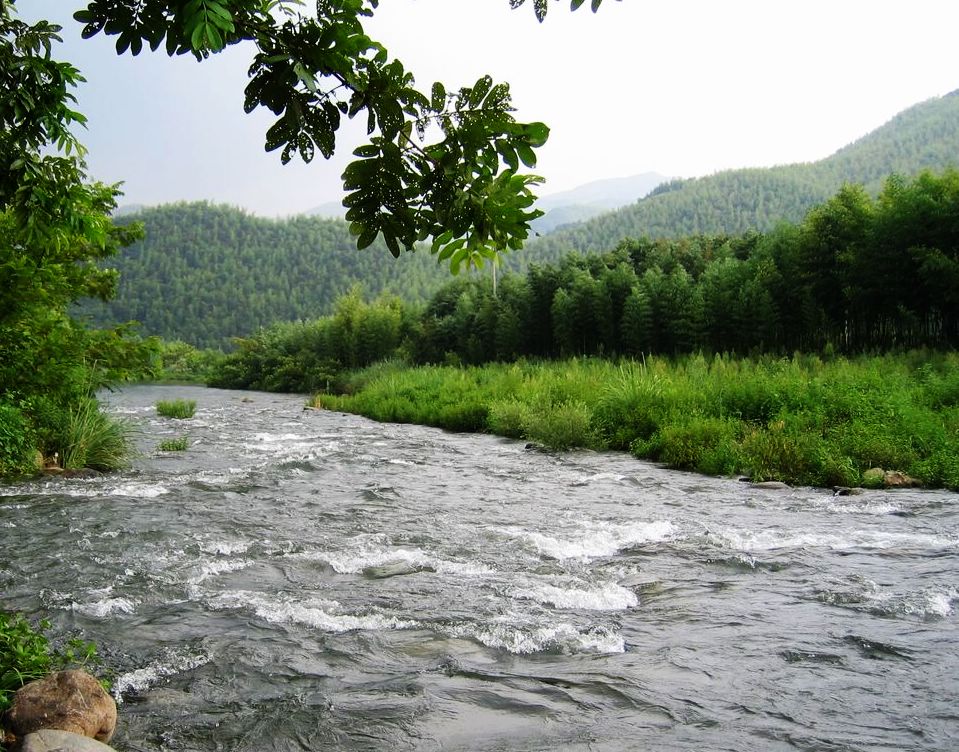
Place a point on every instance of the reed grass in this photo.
(801, 420)
(178, 408)
(93, 439)
(179, 444)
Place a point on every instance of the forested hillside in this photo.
(858, 274)
(205, 273)
(924, 136)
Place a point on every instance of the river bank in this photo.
(800, 420)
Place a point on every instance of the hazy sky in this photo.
(684, 88)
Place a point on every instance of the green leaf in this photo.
(480, 90)
(526, 154)
(438, 98)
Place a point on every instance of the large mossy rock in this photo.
(69, 701)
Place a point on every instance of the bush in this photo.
(507, 418)
(561, 426)
(16, 447)
(178, 408)
(178, 444)
(708, 445)
(26, 655)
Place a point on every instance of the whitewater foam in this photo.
(106, 607)
(170, 664)
(596, 539)
(312, 612)
(606, 597)
(768, 540)
(523, 640)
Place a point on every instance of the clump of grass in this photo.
(178, 408)
(92, 439)
(178, 444)
(561, 426)
(508, 418)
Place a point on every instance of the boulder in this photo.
(896, 479)
(54, 740)
(67, 700)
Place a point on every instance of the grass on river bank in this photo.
(803, 420)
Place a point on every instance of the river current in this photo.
(307, 580)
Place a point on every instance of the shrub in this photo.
(708, 445)
(15, 445)
(93, 439)
(26, 655)
(178, 408)
(178, 444)
(561, 426)
(507, 418)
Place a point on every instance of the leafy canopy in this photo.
(441, 164)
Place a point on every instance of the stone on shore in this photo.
(67, 701)
(55, 740)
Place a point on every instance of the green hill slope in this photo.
(924, 136)
(205, 273)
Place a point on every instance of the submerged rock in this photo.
(55, 740)
(772, 485)
(845, 491)
(68, 701)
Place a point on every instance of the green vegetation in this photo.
(179, 362)
(924, 137)
(26, 654)
(178, 444)
(55, 231)
(802, 420)
(439, 163)
(178, 408)
(857, 275)
(205, 273)
(94, 440)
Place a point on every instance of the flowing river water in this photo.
(306, 580)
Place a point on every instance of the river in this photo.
(306, 580)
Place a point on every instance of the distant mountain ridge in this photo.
(925, 136)
(591, 199)
(575, 205)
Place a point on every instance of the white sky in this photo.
(680, 87)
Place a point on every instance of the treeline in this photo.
(857, 274)
(926, 136)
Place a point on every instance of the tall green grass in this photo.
(92, 439)
(178, 408)
(802, 420)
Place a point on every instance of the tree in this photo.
(54, 229)
(439, 164)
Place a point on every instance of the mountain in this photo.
(329, 210)
(587, 201)
(924, 136)
(206, 273)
